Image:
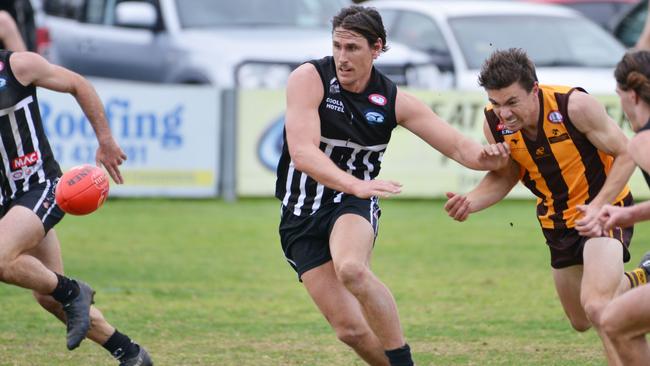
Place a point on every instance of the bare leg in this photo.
(601, 280)
(343, 312)
(626, 320)
(351, 243)
(20, 231)
(49, 253)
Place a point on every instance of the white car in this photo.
(459, 35)
(251, 43)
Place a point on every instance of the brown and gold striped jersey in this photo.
(560, 166)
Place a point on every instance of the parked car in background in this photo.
(629, 25)
(459, 35)
(603, 12)
(253, 43)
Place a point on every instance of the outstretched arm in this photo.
(415, 116)
(590, 117)
(9, 33)
(613, 216)
(492, 189)
(31, 68)
(302, 125)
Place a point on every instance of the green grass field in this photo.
(205, 283)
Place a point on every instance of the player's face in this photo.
(628, 102)
(515, 107)
(353, 58)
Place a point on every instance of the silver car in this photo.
(247, 43)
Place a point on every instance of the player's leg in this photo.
(602, 279)
(343, 312)
(101, 332)
(626, 320)
(567, 284)
(351, 242)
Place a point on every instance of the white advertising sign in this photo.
(170, 134)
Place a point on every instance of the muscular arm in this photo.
(590, 117)
(415, 116)
(31, 68)
(492, 188)
(302, 125)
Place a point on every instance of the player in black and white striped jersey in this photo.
(340, 115)
(30, 254)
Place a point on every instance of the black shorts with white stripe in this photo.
(40, 199)
(305, 239)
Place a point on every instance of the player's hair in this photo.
(363, 20)
(633, 72)
(505, 67)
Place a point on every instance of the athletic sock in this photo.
(400, 356)
(636, 277)
(66, 289)
(121, 346)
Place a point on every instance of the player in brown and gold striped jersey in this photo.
(570, 154)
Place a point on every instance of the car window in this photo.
(228, 13)
(420, 32)
(72, 9)
(550, 41)
(631, 26)
(95, 10)
(600, 12)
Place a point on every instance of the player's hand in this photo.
(376, 187)
(615, 216)
(457, 206)
(495, 156)
(110, 155)
(589, 225)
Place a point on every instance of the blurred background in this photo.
(194, 88)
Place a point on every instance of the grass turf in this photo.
(205, 283)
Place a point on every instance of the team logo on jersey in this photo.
(378, 99)
(3, 82)
(24, 161)
(374, 117)
(334, 86)
(504, 131)
(555, 117)
(2, 65)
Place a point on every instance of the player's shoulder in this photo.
(304, 74)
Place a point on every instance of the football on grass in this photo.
(82, 190)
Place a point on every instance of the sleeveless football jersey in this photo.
(355, 130)
(560, 166)
(27, 158)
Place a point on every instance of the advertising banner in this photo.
(170, 134)
(422, 170)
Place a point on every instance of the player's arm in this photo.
(493, 188)
(613, 216)
(9, 33)
(302, 126)
(639, 149)
(589, 116)
(31, 68)
(415, 116)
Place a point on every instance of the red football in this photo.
(82, 190)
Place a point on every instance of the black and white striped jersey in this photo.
(27, 158)
(355, 130)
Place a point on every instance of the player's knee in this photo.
(594, 309)
(351, 272)
(352, 335)
(580, 325)
(609, 324)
